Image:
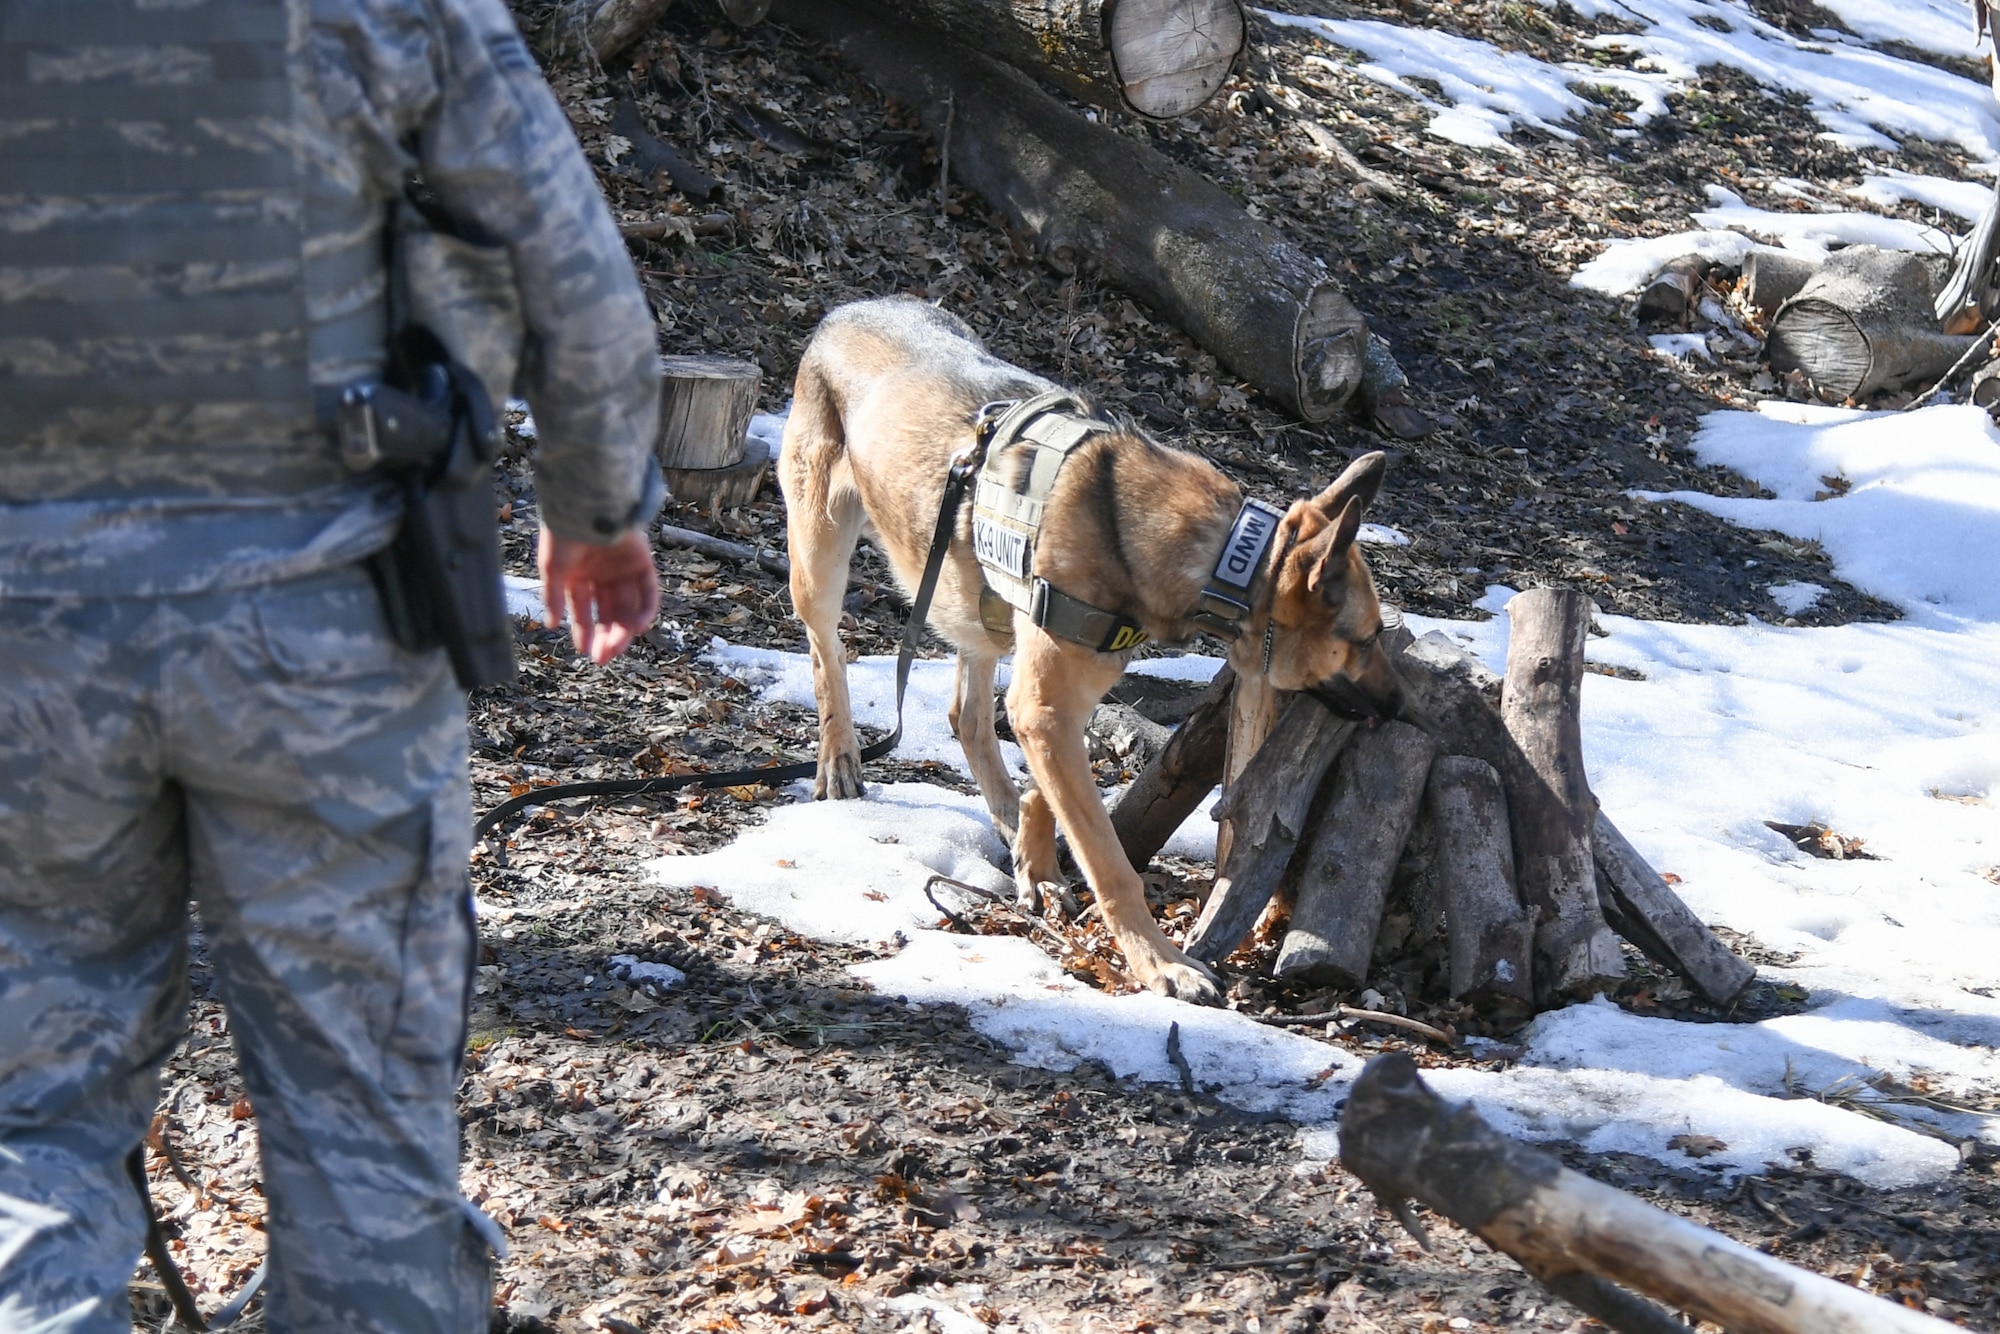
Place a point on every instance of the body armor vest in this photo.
(185, 248)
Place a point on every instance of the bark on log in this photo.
(1491, 935)
(1771, 277)
(1985, 387)
(705, 409)
(1078, 190)
(1159, 58)
(1170, 789)
(1575, 953)
(610, 27)
(1267, 804)
(1350, 855)
(1670, 296)
(1253, 710)
(1863, 324)
(1574, 1234)
(651, 154)
(1644, 909)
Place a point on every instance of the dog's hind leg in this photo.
(972, 722)
(823, 520)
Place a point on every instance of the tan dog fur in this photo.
(887, 392)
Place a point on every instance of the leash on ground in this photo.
(964, 467)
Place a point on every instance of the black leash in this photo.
(963, 469)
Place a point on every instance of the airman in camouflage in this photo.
(199, 699)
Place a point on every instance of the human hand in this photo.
(606, 594)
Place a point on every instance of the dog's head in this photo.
(1326, 622)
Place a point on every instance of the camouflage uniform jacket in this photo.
(445, 88)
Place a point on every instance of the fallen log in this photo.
(1267, 805)
(1551, 805)
(1159, 58)
(1081, 192)
(1863, 324)
(721, 548)
(1349, 855)
(613, 25)
(1578, 1236)
(1172, 786)
(1643, 908)
(1670, 297)
(685, 227)
(1489, 934)
(1253, 711)
(1771, 277)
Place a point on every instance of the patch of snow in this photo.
(524, 596)
(1793, 598)
(631, 968)
(768, 428)
(1889, 186)
(1680, 346)
(1943, 27)
(1626, 266)
(525, 428)
(1382, 536)
(1813, 233)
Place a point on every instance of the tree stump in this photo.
(1159, 58)
(1491, 936)
(1862, 324)
(1172, 786)
(1350, 855)
(1267, 805)
(704, 445)
(1540, 705)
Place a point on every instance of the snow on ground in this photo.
(1889, 733)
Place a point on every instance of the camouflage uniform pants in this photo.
(270, 754)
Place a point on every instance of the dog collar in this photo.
(1226, 599)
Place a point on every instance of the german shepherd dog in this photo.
(888, 391)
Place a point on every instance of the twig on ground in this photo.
(1179, 1058)
(723, 549)
(682, 225)
(1435, 1034)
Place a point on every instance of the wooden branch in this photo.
(721, 548)
(1253, 710)
(1172, 787)
(661, 229)
(1083, 193)
(1971, 294)
(1268, 804)
(1491, 936)
(1862, 324)
(1405, 1142)
(1644, 909)
(1552, 815)
(1350, 853)
(1159, 58)
(651, 154)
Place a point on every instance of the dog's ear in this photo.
(1362, 482)
(1326, 575)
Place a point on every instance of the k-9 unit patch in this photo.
(999, 547)
(1249, 538)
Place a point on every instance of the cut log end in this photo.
(1171, 56)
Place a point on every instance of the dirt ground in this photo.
(772, 1146)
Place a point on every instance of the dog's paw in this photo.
(839, 777)
(1046, 898)
(1187, 980)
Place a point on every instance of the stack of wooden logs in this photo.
(1474, 804)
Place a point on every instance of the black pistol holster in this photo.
(430, 426)
(440, 579)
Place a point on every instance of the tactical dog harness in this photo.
(1008, 507)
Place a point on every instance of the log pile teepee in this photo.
(1477, 798)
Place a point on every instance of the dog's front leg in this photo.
(972, 724)
(1055, 686)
